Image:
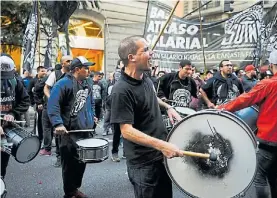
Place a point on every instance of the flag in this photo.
(48, 53)
(234, 39)
(60, 10)
(30, 39)
(269, 32)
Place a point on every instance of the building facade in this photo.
(96, 33)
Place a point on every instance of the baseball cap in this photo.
(7, 66)
(80, 61)
(249, 68)
(273, 57)
(209, 72)
(66, 58)
(183, 63)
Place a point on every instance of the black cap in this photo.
(183, 63)
(80, 61)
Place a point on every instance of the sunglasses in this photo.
(228, 65)
(68, 61)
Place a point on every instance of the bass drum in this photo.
(249, 115)
(3, 191)
(240, 167)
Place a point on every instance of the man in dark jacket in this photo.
(249, 79)
(223, 87)
(71, 107)
(41, 73)
(14, 100)
(99, 95)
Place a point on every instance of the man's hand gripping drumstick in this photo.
(60, 129)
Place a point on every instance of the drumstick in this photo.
(212, 156)
(85, 130)
(15, 121)
(81, 130)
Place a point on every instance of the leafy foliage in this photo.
(17, 13)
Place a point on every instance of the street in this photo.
(39, 179)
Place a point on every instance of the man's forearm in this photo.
(138, 137)
(163, 104)
(46, 91)
(205, 97)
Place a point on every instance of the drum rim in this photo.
(210, 111)
(18, 145)
(4, 190)
(185, 108)
(93, 147)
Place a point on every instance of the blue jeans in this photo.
(151, 181)
(266, 176)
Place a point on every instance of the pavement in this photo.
(39, 179)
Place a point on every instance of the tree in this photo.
(14, 17)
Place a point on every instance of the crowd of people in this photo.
(132, 102)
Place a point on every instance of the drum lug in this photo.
(219, 112)
(257, 149)
(242, 194)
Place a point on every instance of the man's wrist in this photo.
(58, 125)
(169, 107)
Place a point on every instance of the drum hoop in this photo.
(255, 107)
(85, 147)
(210, 111)
(24, 139)
(15, 148)
(4, 190)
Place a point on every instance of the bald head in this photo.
(128, 46)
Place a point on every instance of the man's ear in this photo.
(131, 58)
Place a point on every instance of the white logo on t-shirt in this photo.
(79, 102)
(181, 98)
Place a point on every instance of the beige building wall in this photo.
(214, 10)
(122, 19)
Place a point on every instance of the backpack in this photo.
(39, 86)
(59, 75)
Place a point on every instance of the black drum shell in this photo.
(17, 136)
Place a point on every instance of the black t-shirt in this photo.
(135, 102)
(220, 90)
(178, 90)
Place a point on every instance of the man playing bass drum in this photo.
(265, 94)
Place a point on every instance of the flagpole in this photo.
(166, 23)
(201, 35)
(38, 34)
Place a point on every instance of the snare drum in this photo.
(184, 111)
(24, 145)
(240, 168)
(93, 150)
(249, 115)
(3, 191)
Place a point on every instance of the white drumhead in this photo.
(242, 165)
(92, 142)
(2, 187)
(184, 110)
(28, 149)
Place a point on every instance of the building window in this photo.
(195, 4)
(213, 4)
